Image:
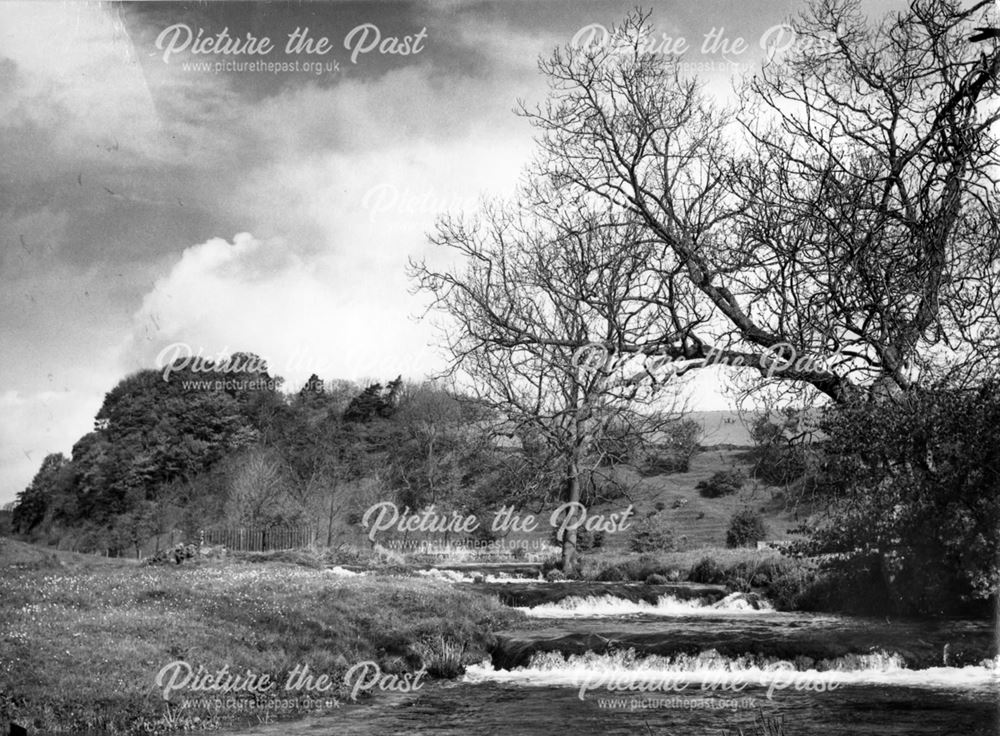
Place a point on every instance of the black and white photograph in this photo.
(500, 367)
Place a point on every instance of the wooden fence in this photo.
(261, 539)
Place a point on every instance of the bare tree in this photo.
(839, 228)
(258, 490)
(531, 286)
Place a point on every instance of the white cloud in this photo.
(76, 76)
(35, 425)
(254, 295)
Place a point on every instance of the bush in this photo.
(707, 571)
(652, 534)
(916, 512)
(442, 657)
(551, 563)
(613, 574)
(637, 569)
(746, 528)
(674, 454)
(722, 483)
(796, 586)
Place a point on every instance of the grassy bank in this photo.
(82, 645)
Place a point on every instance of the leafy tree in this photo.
(746, 528)
(149, 435)
(37, 501)
(913, 480)
(375, 402)
(441, 446)
(721, 483)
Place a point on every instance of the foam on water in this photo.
(594, 606)
(626, 671)
(454, 576)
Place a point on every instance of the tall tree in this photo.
(531, 285)
(38, 500)
(843, 220)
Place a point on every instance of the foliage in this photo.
(913, 478)
(44, 496)
(780, 454)
(707, 570)
(636, 569)
(679, 443)
(746, 528)
(721, 483)
(652, 534)
(375, 402)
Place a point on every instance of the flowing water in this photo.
(678, 659)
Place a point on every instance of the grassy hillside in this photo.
(703, 521)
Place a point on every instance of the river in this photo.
(680, 659)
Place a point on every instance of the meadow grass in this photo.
(81, 647)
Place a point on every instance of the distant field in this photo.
(722, 428)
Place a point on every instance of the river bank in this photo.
(88, 647)
(83, 643)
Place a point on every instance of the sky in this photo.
(156, 196)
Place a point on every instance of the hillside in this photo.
(703, 521)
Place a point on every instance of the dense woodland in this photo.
(175, 454)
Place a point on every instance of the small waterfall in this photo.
(454, 576)
(667, 605)
(624, 671)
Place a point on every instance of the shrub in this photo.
(652, 534)
(746, 528)
(639, 568)
(796, 586)
(551, 563)
(612, 574)
(442, 657)
(722, 483)
(915, 510)
(674, 454)
(708, 571)
(656, 579)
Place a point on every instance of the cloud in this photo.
(71, 72)
(320, 286)
(257, 296)
(35, 425)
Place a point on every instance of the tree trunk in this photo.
(569, 538)
(329, 523)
